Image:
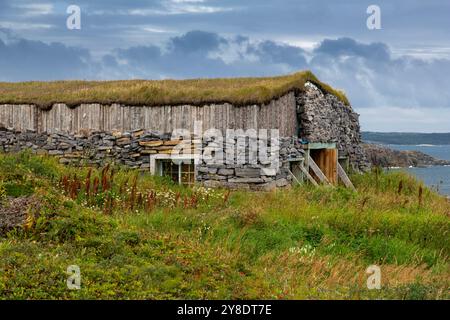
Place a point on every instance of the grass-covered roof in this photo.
(239, 91)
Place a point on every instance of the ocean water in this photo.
(437, 177)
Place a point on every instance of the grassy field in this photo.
(239, 91)
(135, 236)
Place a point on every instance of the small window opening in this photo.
(181, 173)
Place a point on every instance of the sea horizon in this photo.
(435, 177)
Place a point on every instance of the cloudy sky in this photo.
(397, 78)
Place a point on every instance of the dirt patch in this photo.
(13, 212)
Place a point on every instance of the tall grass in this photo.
(138, 236)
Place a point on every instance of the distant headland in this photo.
(406, 138)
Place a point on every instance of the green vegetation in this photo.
(138, 236)
(238, 91)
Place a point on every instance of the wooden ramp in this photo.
(319, 174)
(307, 175)
(342, 175)
(344, 178)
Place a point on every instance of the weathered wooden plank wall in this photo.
(278, 114)
(20, 117)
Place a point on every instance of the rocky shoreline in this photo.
(380, 155)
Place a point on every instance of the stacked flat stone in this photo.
(324, 119)
(133, 149)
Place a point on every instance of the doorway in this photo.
(326, 159)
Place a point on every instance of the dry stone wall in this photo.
(95, 149)
(135, 148)
(262, 175)
(323, 118)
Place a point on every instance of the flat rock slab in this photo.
(248, 172)
(154, 143)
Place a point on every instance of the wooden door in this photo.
(326, 160)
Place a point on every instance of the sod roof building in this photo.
(257, 133)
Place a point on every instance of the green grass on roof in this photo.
(238, 91)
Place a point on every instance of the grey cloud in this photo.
(201, 54)
(350, 47)
(183, 56)
(196, 42)
(272, 52)
(416, 21)
(109, 61)
(372, 77)
(22, 60)
(140, 54)
(368, 72)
